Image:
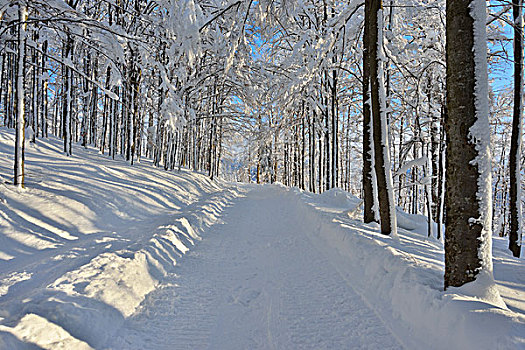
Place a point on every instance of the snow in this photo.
(46, 335)
(164, 260)
(11, 280)
(402, 279)
(257, 282)
(480, 136)
(338, 199)
(117, 281)
(412, 163)
(90, 237)
(371, 154)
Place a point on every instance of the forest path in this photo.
(256, 281)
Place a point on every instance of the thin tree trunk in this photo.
(517, 134)
(66, 104)
(20, 124)
(334, 112)
(34, 91)
(44, 91)
(387, 211)
(368, 190)
(441, 172)
(303, 148)
(328, 170)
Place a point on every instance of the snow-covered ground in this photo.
(89, 238)
(98, 254)
(403, 280)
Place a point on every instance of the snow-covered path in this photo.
(98, 254)
(257, 281)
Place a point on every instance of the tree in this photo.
(368, 174)
(387, 211)
(285, 82)
(517, 133)
(468, 160)
(20, 103)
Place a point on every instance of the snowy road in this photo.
(257, 281)
(98, 254)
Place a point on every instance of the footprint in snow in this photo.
(245, 297)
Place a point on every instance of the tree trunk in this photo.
(379, 123)
(34, 91)
(441, 172)
(9, 100)
(66, 103)
(335, 119)
(517, 132)
(311, 162)
(20, 124)
(328, 170)
(368, 191)
(303, 147)
(468, 164)
(44, 91)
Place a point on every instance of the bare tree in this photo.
(20, 103)
(368, 190)
(517, 133)
(387, 212)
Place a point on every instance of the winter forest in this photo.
(397, 121)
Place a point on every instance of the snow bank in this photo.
(402, 280)
(338, 198)
(35, 329)
(89, 238)
(116, 280)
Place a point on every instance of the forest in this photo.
(280, 174)
(412, 105)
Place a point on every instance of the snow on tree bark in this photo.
(468, 242)
(387, 209)
(20, 104)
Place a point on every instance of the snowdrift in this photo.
(402, 280)
(89, 238)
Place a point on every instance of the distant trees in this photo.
(262, 91)
(100, 73)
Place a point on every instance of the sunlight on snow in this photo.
(47, 335)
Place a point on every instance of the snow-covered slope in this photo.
(403, 281)
(88, 238)
(98, 254)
